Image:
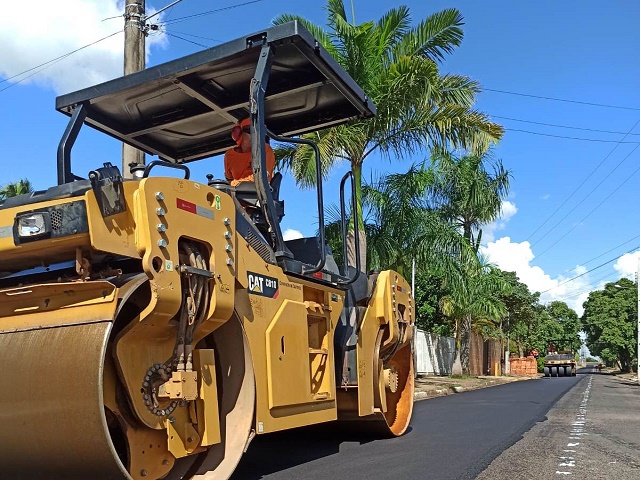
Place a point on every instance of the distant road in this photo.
(453, 437)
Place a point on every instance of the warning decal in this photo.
(193, 208)
(262, 285)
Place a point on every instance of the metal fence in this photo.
(435, 355)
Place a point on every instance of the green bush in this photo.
(540, 364)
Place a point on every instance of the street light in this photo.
(638, 318)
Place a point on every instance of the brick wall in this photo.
(524, 366)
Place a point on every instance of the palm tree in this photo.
(466, 193)
(418, 107)
(14, 189)
(474, 302)
(401, 226)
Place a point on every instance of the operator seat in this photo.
(248, 197)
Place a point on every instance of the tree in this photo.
(401, 227)
(417, 107)
(522, 317)
(399, 220)
(14, 189)
(429, 289)
(395, 221)
(474, 301)
(466, 193)
(567, 318)
(468, 196)
(544, 330)
(609, 320)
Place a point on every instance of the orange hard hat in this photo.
(236, 132)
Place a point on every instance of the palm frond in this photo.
(436, 36)
(337, 12)
(459, 90)
(391, 29)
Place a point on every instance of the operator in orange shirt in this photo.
(237, 160)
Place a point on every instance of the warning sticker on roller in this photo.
(193, 208)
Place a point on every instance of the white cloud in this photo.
(291, 234)
(546, 196)
(627, 265)
(38, 32)
(507, 210)
(517, 257)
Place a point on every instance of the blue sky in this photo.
(585, 51)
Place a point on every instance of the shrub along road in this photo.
(452, 437)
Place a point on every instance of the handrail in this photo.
(66, 143)
(257, 92)
(163, 163)
(356, 230)
(303, 141)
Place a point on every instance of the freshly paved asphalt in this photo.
(453, 437)
(592, 433)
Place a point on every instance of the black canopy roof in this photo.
(184, 110)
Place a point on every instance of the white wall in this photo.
(434, 354)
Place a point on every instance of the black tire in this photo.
(547, 372)
(561, 371)
(554, 371)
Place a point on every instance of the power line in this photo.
(555, 99)
(594, 281)
(192, 35)
(555, 125)
(591, 288)
(586, 288)
(591, 212)
(591, 192)
(588, 271)
(603, 254)
(186, 40)
(568, 138)
(583, 182)
(47, 64)
(209, 12)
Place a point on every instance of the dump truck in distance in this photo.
(151, 327)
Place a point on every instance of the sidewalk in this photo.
(429, 386)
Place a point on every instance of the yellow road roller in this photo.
(151, 326)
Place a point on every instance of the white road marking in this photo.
(577, 432)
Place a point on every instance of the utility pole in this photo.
(134, 61)
(638, 320)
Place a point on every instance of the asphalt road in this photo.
(453, 437)
(592, 433)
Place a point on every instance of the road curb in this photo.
(443, 391)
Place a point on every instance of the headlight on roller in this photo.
(54, 221)
(33, 225)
